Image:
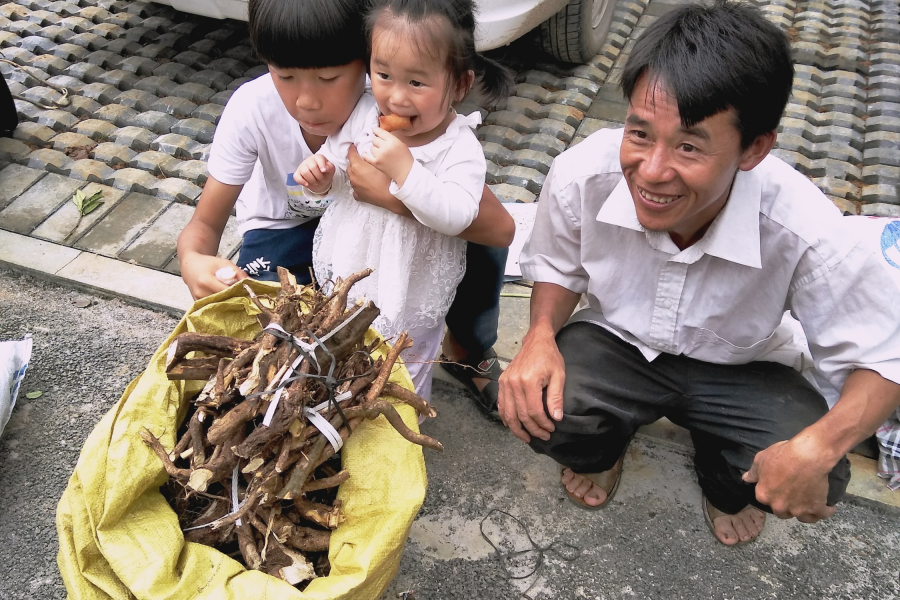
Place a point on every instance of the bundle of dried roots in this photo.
(250, 473)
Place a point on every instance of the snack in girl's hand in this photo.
(394, 122)
(226, 275)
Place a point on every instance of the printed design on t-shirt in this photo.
(890, 243)
(256, 266)
(301, 204)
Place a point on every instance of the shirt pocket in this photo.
(711, 347)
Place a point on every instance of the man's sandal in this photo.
(486, 366)
(608, 481)
(704, 505)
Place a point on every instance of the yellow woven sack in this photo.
(119, 539)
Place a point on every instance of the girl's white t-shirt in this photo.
(258, 144)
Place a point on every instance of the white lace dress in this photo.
(417, 263)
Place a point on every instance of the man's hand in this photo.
(390, 156)
(792, 478)
(315, 173)
(199, 273)
(538, 365)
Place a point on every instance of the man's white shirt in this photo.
(778, 245)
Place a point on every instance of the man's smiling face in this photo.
(680, 178)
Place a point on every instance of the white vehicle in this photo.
(571, 30)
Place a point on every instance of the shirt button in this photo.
(666, 304)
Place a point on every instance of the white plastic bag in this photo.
(14, 358)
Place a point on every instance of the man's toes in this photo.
(595, 496)
(725, 531)
(740, 528)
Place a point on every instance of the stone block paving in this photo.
(145, 86)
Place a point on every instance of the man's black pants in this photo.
(732, 411)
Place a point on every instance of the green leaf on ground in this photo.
(34, 394)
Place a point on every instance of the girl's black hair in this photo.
(716, 57)
(307, 34)
(456, 35)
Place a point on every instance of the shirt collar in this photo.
(732, 236)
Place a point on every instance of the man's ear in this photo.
(757, 151)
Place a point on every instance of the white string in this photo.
(309, 349)
(322, 424)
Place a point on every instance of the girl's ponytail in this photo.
(493, 81)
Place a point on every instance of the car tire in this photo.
(577, 32)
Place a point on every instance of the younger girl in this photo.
(422, 61)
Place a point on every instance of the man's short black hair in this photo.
(307, 34)
(712, 58)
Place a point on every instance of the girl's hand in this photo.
(390, 156)
(371, 185)
(315, 173)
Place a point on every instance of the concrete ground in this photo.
(650, 543)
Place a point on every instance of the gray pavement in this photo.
(147, 86)
(651, 542)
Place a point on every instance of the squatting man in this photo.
(690, 242)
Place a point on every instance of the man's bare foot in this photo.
(738, 528)
(591, 489)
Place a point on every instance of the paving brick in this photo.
(120, 79)
(100, 92)
(104, 59)
(89, 40)
(57, 120)
(880, 193)
(14, 12)
(139, 66)
(201, 152)
(195, 92)
(43, 17)
(95, 14)
(256, 71)
(12, 150)
(155, 162)
(52, 161)
(878, 173)
(113, 154)
(878, 209)
(33, 133)
(209, 112)
(179, 107)
(50, 64)
(120, 115)
(8, 39)
(78, 24)
(37, 44)
(156, 52)
(229, 66)
(213, 80)
(192, 170)
(157, 85)
(174, 40)
(532, 159)
(838, 188)
(83, 107)
(123, 46)
(86, 72)
(15, 179)
(567, 114)
(65, 9)
(108, 31)
(158, 24)
(69, 142)
(557, 129)
(122, 224)
(205, 47)
(27, 111)
(87, 169)
(139, 100)
(222, 97)
(511, 193)
(178, 73)
(156, 246)
(197, 129)
(525, 106)
(34, 205)
(192, 59)
(132, 180)
(157, 122)
(530, 179)
(178, 190)
(70, 83)
(496, 153)
(136, 138)
(128, 21)
(541, 142)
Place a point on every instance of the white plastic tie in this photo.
(322, 424)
